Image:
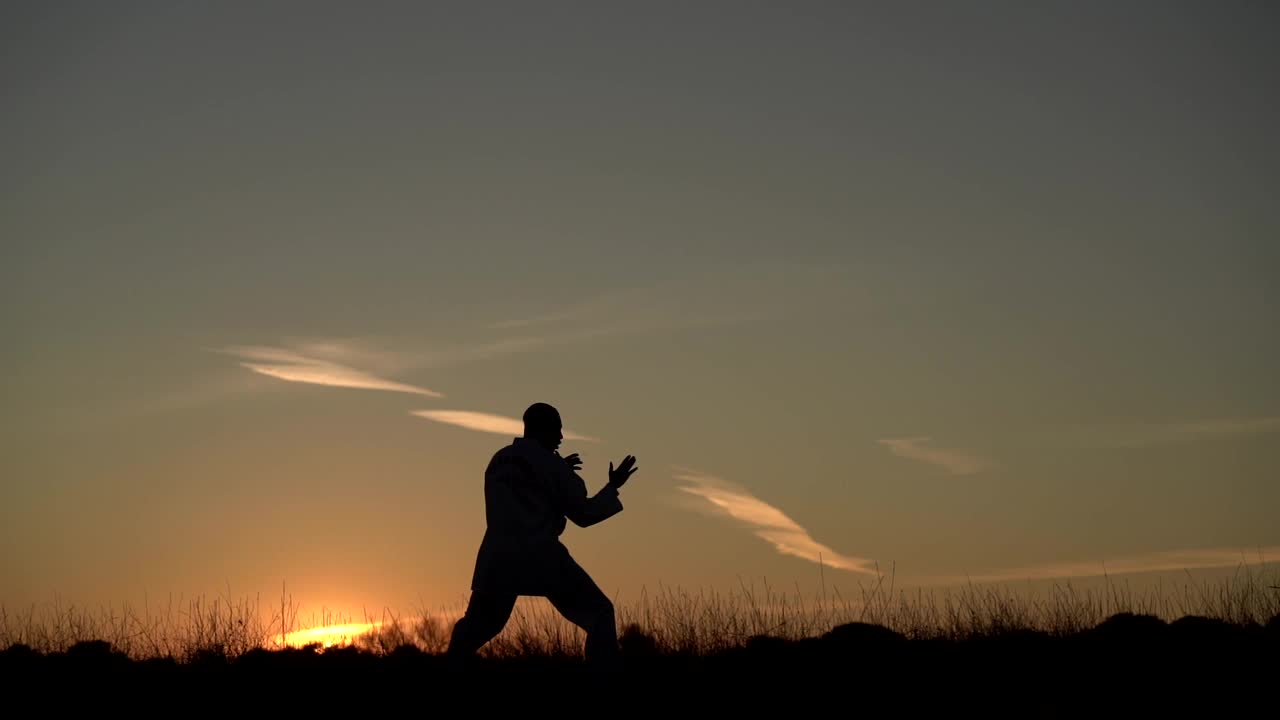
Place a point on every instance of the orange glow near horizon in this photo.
(327, 635)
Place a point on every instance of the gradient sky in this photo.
(977, 289)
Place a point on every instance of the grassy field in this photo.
(1194, 639)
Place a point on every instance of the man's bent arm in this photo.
(587, 511)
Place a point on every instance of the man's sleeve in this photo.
(587, 511)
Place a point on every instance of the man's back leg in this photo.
(581, 601)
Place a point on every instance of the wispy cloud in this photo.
(291, 366)
(1143, 434)
(601, 304)
(724, 294)
(766, 521)
(487, 422)
(206, 391)
(1167, 561)
(956, 462)
(733, 294)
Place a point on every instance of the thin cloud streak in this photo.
(1134, 435)
(207, 391)
(666, 307)
(766, 521)
(1167, 561)
(733, 294)
(487, 422)
(606, 306)
(293, 367)
(539, 337)
(956, 462)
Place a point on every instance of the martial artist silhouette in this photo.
(529, 491)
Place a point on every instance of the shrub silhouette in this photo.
(636, 644)
(860, 635)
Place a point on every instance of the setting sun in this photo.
(326, 636)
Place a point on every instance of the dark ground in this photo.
(1128, 666)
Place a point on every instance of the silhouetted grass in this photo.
(668, 622)
(1210, 649)
(183, 631)
(676, 621)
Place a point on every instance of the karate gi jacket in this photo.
(529, 493)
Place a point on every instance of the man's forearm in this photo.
(602, 506)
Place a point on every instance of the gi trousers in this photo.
(573, 594)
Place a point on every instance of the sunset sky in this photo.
(969, 290)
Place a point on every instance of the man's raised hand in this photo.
(618, 477)
(575, 463)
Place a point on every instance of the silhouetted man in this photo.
(529, 491)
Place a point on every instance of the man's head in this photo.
(542, 423)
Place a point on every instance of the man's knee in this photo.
(485, 617)
(604, 619)
(486, 623)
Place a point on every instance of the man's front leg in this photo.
(487, 613)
